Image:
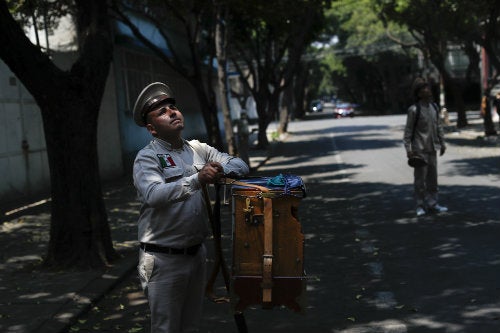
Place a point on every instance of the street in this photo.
(372, 265)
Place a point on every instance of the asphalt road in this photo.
(372, 265)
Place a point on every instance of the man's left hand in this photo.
(211, 173)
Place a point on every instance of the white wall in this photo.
(25, 172)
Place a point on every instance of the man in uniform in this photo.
(424, 137)
(169, 175)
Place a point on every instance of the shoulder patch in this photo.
(166, 160)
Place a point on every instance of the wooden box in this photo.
(268, 248)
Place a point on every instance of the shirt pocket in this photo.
(172, 174)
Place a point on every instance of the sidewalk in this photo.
(41, 301)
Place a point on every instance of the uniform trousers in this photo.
(174, 285)
(426, 182)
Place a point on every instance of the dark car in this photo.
(344, 110)
(316, 106)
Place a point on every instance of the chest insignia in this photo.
(166, 160)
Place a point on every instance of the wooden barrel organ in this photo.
(267, 245)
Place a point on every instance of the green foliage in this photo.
(361, 30)
(355, 64)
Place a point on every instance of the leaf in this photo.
(82, 321)
(122, 306)
(135, 329)
(351, 319)
(359, 296)
(399, 306)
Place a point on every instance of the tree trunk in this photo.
(285, 109)
(220, 46)
(69, 102)
(263, 142)
(456, 91)
(79, 233)
(261, 105)
(301, 80)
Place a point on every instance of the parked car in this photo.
(316, 106)
(343, 109)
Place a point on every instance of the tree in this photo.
(480, 26)
(431, 23)
(366, 65)
(220, 40)
(69, 102)
(267, 49)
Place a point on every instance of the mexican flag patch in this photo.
(166, 160)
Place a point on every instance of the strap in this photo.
(219, 264)
(229, 181)
(416, 120)
(267, 258)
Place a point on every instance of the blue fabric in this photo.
(279, 180)
(285, 182)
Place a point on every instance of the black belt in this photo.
(192, 250)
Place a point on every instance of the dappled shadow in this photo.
(478, 141)
(350, 227)
(32, 287)
(341, 129)
(476, 166)
(368, 141)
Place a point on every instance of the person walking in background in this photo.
(169, 175)
(424, 137)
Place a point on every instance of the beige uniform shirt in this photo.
(173, 211)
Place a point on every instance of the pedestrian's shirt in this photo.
(173, 211)
(429, 134)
